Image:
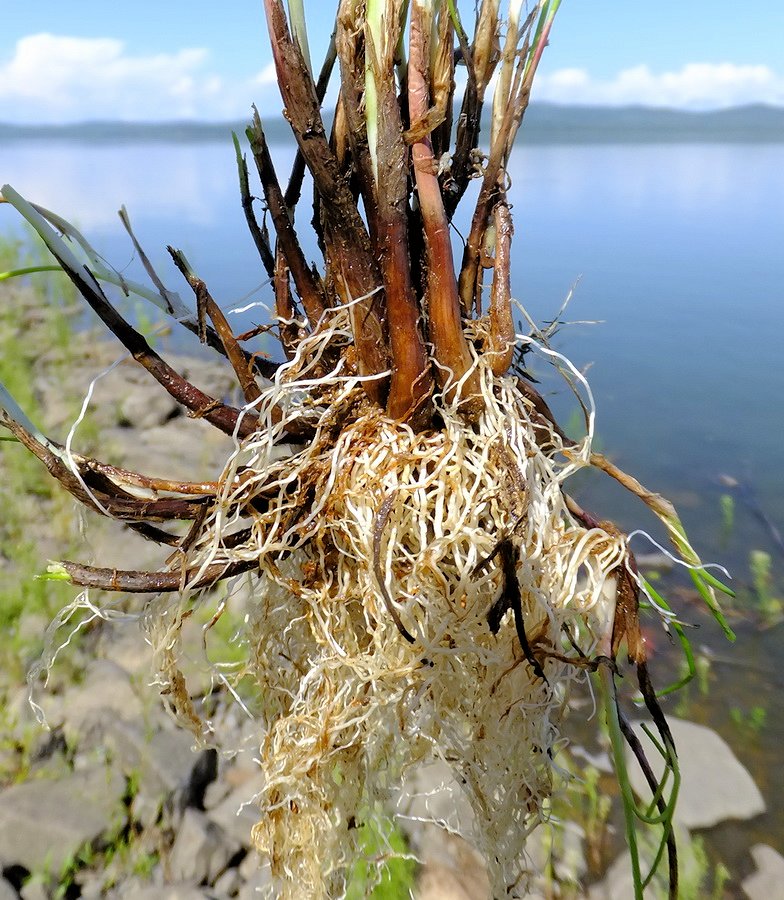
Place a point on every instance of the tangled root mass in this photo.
(413, 596)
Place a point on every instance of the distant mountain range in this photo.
(545, 123)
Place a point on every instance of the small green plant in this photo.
(752, 721)
(770, 608)
(387, 870)
(727, 507)
(38, 317)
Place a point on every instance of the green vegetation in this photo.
(386, 871)
(727, 504)
(770, 607)
(35, 329)
(751, 722)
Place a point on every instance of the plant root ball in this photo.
(384, 631)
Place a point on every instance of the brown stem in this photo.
(309, 290)
(259, 237)
(352, 52)
(201, 405)
(123, 477)
(480, 60)
(114, 500)
(411, 383)
(207, 335)
(450, 347)
(492, 189)
(442, 87)
(356, 273)
(136, 582)
(501, 341)
(294, 187)
(152, 533)
(290, 331)
(234, 352)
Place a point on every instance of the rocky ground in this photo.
(114, 801)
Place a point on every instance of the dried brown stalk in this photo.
(139, 582)
(96, 487)
(501, 339)
(450, 348)
(310, 291)
(411, 383)
(354, 265)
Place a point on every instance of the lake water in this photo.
(680, 254)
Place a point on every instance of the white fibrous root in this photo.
(384, 632)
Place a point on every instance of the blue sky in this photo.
(152, 60)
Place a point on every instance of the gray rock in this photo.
(141, 408)
(106, 690)
(767, 883)
(439, 882)
(237, 813)
(599, 760)
(714, 784)
(258, 880)
(91, 886)
(7, 891)
(166, 892)
(125, 643)
(557, 846)
(34, 890)
(251, 865)
(201, 850)
(159, 762)
(618, 883)
(227, 885)
(43, 823)
(431, 805)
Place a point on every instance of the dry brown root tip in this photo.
(626, 624)
(128, 480)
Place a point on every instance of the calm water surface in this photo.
(678, 249)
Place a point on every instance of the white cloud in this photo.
(694, 86)
(52, 78)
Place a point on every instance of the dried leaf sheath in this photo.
(309, 290)
(450, 348)
(411, 383)
(356, 270)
